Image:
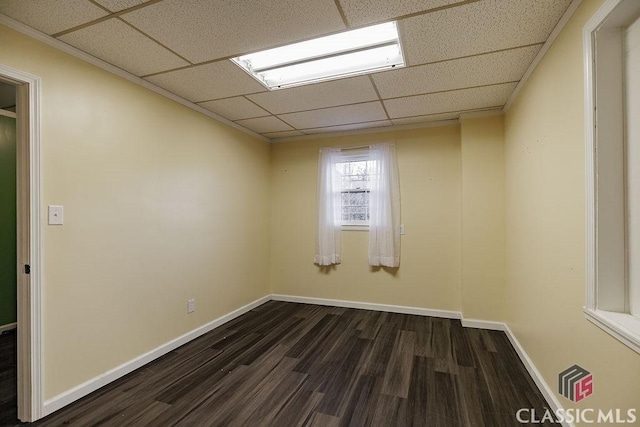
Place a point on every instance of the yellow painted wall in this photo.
(482, 143)
(545, 229)
(429, 273)
(161, 204)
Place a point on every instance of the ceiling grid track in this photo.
(463, 56)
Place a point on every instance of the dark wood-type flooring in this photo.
(8, 377)
(285, 364)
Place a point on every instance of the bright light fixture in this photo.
(350, 53)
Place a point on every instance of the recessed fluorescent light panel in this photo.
(350, 53)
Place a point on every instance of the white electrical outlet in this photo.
(191, 306)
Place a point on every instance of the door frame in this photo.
(29, 242)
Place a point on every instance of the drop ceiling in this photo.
(462, 56)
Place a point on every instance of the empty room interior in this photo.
(320, 212)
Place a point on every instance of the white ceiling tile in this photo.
(210, 29)
(346, 114)
(221, 79)
(481, 70)
(425, 119)
(284, 134)
(118, 5)
(51, 16)
(265, 124)
(119, 44)
(341, 128)
(320, 95)
(203, 30)
(235, 108)
(445, 102)
(479, 27)
(363, 12)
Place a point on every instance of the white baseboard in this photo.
(483, 324)
(8, 327)
(369, 306)
(93, 384)
(544, 388)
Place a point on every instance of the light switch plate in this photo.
(56, 215)
(402, 229)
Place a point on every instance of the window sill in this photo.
(623, 326)
(355, 228)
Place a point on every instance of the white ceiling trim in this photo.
(543, 50)
(57, 44)
(447, 122)
(379, 129)
(482, 113)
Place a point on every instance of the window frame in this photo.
(607, 296)
(354, 155)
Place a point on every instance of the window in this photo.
(355, 179)
(349, 53)
(632, 153)
(359, 187)
(612, 67)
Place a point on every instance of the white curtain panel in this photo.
(328, 236)
(384, 207)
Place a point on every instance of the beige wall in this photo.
(545, 229)
(482, 143)
(429, 273)
(161, 204)
(452, 185)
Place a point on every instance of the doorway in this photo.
(8, 256)
(27, 251)
(8, 226)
